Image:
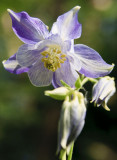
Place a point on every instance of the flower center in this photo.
(53, 57)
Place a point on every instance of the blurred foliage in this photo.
(28, 119)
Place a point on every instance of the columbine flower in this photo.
(71, 121)
(52, 56)
(102, 91)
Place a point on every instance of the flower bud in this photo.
(71, 121)
(58, 93)
(102, 91)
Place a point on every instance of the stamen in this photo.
(44, 59)
(61, 61)
(64, 59)
(53, 57)
(44, 53)
(59, 65)
(63, 55)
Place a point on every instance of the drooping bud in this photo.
(58, 93)
(102, 91)
(71, 121)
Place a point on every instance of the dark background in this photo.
(28, 119)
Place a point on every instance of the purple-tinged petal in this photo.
(97, 90)
(92, 63)
(72, 46)
(67, 74)
(109, 91)
(12, 66)
(74, 61)
(39, 75)
(28, 54)
(103, 90)
(54, 83)
(77, 114)
(29, 30)
(67, 25)
(65, 45)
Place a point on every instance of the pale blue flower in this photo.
(52, 56)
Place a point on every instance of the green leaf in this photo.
(78, 84)
(82, 77)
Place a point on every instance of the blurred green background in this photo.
(28, 119)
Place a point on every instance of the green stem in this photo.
(71, 152)
(85, 80)
(93, 80)
(63, 155)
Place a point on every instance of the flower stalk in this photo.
(63, 155)
(71, 152)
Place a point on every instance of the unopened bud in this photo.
(102, 91)
(58, 93)
(71, 121)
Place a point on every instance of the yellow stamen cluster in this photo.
(53, 57)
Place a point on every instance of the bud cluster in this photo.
(73, 112)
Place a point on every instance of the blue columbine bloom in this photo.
(52, 56)
(102, 91)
